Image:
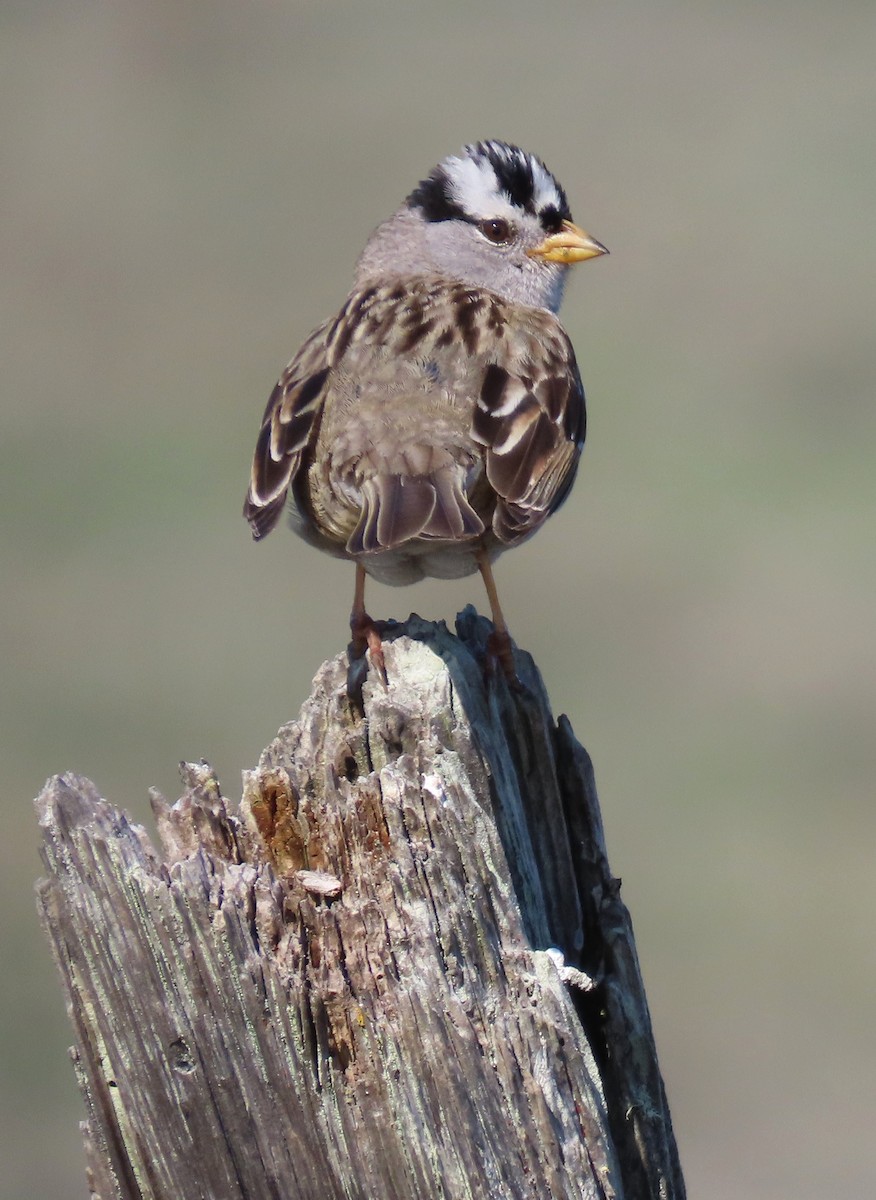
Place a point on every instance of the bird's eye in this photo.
(497, 231)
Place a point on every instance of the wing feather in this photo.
(530, 418)
(288, 426)
(514, 367)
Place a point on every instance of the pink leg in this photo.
(500, 640)
(366, 635)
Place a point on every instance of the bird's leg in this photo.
(365, 631)
(499, 643)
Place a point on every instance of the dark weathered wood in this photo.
(401, 969)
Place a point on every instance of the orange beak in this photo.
(569, 246)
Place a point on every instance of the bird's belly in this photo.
(422, 558)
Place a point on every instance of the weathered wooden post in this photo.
(401, 969)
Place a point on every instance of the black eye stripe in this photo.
(433, 197)
(552, 219)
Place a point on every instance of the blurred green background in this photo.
(185, 187)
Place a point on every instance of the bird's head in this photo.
(493, 216)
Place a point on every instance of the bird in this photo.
(437, 419)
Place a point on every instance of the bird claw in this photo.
(375, 649)
(366, 641)
(500, 650)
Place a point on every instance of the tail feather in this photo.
(404, 508)
(453, 516)
(399, 508)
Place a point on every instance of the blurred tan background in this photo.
(184, 189)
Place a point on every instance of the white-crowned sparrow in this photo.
(438, 418)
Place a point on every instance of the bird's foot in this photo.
(500, 650)
(366, 640)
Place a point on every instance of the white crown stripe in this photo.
(476, 188)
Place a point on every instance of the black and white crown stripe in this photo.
(492, 179)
